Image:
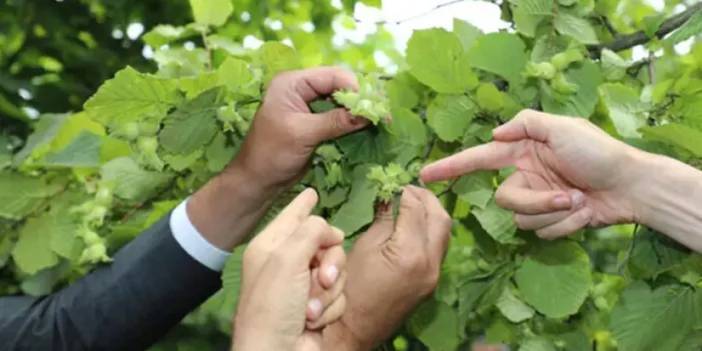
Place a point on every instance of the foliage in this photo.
(84, 183)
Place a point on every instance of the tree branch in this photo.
(630, 40)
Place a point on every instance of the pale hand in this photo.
(292, 282)
(569, 173)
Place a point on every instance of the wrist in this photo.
(637, 175)
(228, 207)
(658, 181)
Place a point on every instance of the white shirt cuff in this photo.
(194, 243)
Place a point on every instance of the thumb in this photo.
(314, 234)
(528, 124)
(333, 124)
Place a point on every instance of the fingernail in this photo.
(332, 273)
(339, 232)
(315, 308)
(561, 201)
(357, 121)
(578, 198)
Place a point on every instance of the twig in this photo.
(439, 6)
(630, 40)
(636, 67)
(449, 188)
(651, 68)
(608, 24)
(206, 44)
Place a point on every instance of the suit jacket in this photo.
(127, 305)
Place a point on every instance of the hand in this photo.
(274, 154)
(570, 174)
(285, 133)
(292, 282)
(391, 269)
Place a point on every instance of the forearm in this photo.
(228, 208)
(126, 305)
(669, 198)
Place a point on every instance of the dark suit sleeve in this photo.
(126, 305)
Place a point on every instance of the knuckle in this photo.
(524, 114)
(502, 197)
(317, 223)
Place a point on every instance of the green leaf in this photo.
(676, 134)
(358, 210)
(587, 77)
(276, 58)
(626, 110)
(211, 12)
(409, 134)
(45, 131)
(130, 96)
(369, 145)
(466, 32)
(43, 282)
(231, 277)
(692, 27)
(165, 34)
(534, 7)
(576, 27)
(613, 66)
(660, 319)
(22, 195)
(82, 152)
(450, 115)
(181, 162)
(403, 91)
(193, 86)
(446, 69)
(537, 344)
(238, 77)
(33, 252)
(6, 245)
(653, 254)
(436, 325)
(191, 126)
(497, 222)
(64, 229)
(131, 182)
(512, 307)
(503, 54)
(555, 278)
(219, 154)
(528, 14)
(476, 188)
(489, 98)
